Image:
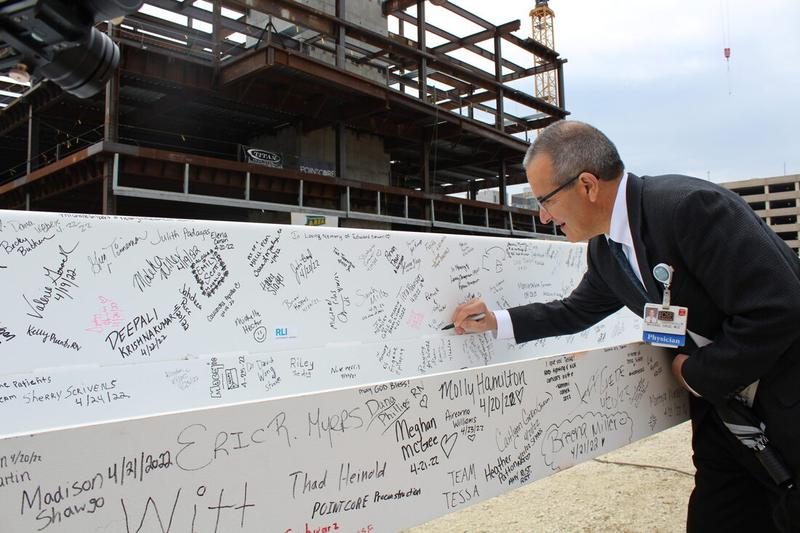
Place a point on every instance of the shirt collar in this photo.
(620, 229)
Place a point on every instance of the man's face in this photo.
(568, 208)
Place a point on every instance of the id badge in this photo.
(665, 325)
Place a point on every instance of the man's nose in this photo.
(544, 216)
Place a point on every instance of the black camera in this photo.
(57, 40)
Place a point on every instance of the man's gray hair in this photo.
(576, 147)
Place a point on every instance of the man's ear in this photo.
(590, 184)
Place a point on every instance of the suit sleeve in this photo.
(749, 279)
(590, 302)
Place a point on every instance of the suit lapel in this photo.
(634, 200)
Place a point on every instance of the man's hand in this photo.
(473, 307)
(677, 366)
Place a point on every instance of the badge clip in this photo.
(663, 274)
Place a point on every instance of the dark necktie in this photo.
(619, 255)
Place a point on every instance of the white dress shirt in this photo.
(620, 229)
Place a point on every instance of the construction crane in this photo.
(545, 84)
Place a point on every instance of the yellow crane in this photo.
(545, 84)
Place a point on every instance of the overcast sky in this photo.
(651, 74)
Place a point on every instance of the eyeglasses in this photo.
(547, 197)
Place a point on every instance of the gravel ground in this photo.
(608, 494)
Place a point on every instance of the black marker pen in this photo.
(479, 316)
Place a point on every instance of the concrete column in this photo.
(501, 183)
(33, 140)
(108, 202)
(341, 35)
(341, 149)
(217, 33)
(425, 176)
(111, 117)
(423, 63)
(473, 190)
(425, 167)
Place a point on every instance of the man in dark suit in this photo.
(738, 279)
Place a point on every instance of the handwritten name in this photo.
(61, 281)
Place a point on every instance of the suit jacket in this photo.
(739, 280)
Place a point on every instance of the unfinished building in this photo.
(251, 110)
